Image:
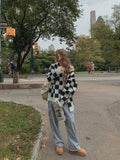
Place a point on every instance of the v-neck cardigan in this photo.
(59, 90)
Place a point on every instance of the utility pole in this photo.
(32, 60)
(1, 74)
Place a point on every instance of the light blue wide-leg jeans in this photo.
(73, 143)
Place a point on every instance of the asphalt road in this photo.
(97, 116)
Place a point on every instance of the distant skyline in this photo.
(102, 8)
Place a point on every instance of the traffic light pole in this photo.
(1, 74)
(32, 60)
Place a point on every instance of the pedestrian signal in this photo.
(35, 45)
(10, 32)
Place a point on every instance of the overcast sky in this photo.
(102, 8)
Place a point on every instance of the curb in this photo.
(36, 148)
(20, 86)
(37, 145)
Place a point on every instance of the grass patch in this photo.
(86, 72)
(19, 128)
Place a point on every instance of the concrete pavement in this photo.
(35, 81)
(24, 82)
(97, 116)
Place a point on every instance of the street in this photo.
(97, 117)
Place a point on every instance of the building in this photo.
(51, 48)
(83, 36)
(92, 18)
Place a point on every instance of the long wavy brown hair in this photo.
(64, 62)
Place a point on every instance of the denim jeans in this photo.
(73, 143)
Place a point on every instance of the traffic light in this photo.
(35, 45)
(36, 52)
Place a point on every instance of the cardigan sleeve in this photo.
(53, 72)
(71, 84)
(69, 88)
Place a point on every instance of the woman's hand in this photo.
(71, 68)
(62, 69)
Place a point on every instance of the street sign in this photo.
(3, 24)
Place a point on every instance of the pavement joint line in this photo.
(21, 86)
(37, 146)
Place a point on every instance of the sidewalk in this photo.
(31, 81)
(36, 81)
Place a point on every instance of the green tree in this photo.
(39, 19)
(88, 50)
(42, 62)
(72, 55)
(115, 20)
(105, 35)
(108, 34)
(7, 53)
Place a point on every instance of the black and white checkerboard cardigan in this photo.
(59, 90)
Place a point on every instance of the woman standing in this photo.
(61, 75)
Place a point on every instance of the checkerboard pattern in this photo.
(59, 90)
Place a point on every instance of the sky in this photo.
(102, 8)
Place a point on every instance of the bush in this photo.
(26, 69)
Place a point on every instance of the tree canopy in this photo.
(39, 19)
(108, 34)
(88, 50)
